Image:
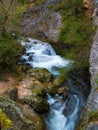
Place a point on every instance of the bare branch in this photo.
(11, 3)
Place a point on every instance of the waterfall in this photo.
(56, 120)
(41, 55)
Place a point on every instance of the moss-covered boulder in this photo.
(41, 74)
(59, 81)
(39, 104)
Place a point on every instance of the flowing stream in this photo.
(64, 114)
(42, 55)
(56, 120)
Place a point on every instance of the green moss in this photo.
(93, 116)
(50, 6)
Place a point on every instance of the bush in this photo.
(4, 121)
(10, 50)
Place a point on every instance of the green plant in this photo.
(10, 50)
(23, 1)
(93, 116)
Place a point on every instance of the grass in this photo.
(93, 116)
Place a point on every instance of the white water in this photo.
(56, 120)
(41, 55)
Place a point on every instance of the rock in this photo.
(70, 105)
(93, 127)
(89, 6)
(39, 104)
(14, 113)
(59, 81)
(63, 90)
(13, 93)
(42, 21)
(31, 115)
(41, 74)
(92, 102)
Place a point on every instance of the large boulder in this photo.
(14, 113)
(39, 104)
(41, 74)
(89, 6)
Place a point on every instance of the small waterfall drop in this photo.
(42, 55)
(56, 120)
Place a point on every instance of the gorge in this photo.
(45, 82)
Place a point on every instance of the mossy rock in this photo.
(39, 104)
(15, 114)
(62, 90)
(59, 81)
(41, 74)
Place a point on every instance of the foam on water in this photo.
(41, 55)
(56, 120)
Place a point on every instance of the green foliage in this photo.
(77, 31)
(22, 1)
(10, 15)
(93, 116)
(10, 50)
(4, 121)
(39, 1)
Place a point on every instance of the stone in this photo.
(59, 81)
(89, 6)
(14, 113)
(70, 105)
(39, 104)
(13, 93)
(41, 74)
(40, 21)
(92, 102)
(63, 90)
(93, 127)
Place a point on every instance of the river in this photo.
(64, 114)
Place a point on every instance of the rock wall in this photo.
(93, 97)
(42, 21)
(89, 120)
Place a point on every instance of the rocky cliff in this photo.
(90, 118)
(92, 105)
(41, 21)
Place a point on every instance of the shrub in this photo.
(10, 50)
(4, 121)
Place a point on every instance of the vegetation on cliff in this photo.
(77, 31)
(10, 20)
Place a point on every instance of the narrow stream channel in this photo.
(64, 113)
